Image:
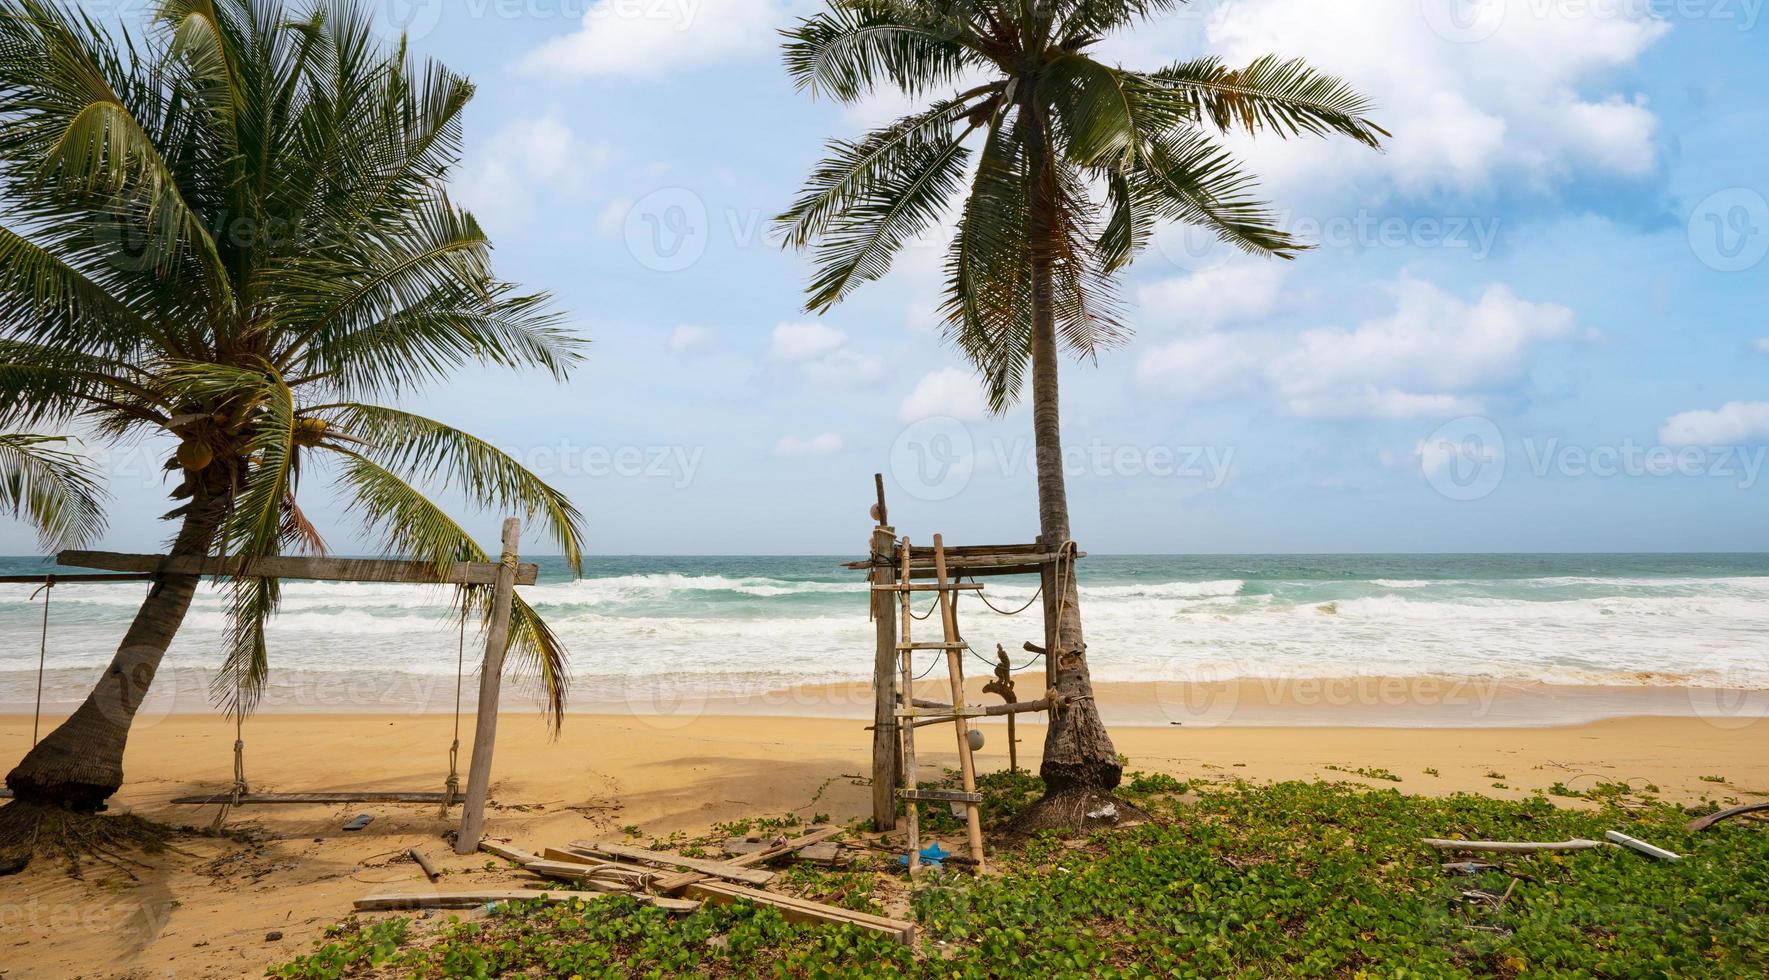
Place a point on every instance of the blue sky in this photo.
(1536, 323)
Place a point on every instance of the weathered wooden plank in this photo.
(669, 883)
(71, 577)
(796, 909)
(508, 853)
(940, 795)
(884, 688)
(718, 869)
(491, 674)
(1513, 846)
(290, 566)
(370, 796)
(385, 901)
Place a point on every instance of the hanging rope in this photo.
(453, 783)
(1004, 612)
(47, 588)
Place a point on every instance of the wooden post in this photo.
(485, 728)
(884, 686)
(967, 766)
(1047, 579)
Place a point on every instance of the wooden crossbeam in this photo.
(288, 566)
(670, 883)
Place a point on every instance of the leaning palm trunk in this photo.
(1080, 763)
(80, 764)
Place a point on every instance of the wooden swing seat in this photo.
(370, 796)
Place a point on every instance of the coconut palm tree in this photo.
(1059, 166)
(234, 233)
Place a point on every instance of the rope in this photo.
(47, 589)
(453, 783)
(1004, 612)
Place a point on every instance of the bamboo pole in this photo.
(912, 809)
(884, 689)
(955, 669)
(485, 727)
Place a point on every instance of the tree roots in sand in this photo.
(1075, 809)
(29, 829)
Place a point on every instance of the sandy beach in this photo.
(207, 912)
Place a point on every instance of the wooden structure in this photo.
(897, 571)
(503, 576)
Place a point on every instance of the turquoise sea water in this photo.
(641, 627)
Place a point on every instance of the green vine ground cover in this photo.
(1292, 879)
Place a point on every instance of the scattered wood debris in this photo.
(654, 876)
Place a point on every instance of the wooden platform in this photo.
(971, 561)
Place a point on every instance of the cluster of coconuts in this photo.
(195, 454)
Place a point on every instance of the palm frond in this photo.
(56, 491)
(426, 450)
(847, 50)
(988, 303)
(408, 523)
(1184, 177)
(1287, 98)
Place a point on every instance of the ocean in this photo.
(658, 630)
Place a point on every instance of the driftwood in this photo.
(1703, 823)
(508, 853)
(1512, 846)
(416, 855)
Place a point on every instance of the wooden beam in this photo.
(386, 901)
(508, 853)
(884, 687)
(371, 796)
(57, 578)
(1515, 847)
(967, 766)
(718, 869)
(795, 909)
(491, 674)
(287, 566)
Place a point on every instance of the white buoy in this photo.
(976, 739)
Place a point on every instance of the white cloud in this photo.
(1538, 101)
(946, 392)
(524, 160)
(1422, 360)
(802, 341)
(818, 445)
(686, 337)
(648, 38)
(845, 367)
(1733, 424)
(1206, 366)
(1212, 297)
(1432, 356)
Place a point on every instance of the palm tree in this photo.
(234, 232)
(1079, 160)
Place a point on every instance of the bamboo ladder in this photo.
(953, 645)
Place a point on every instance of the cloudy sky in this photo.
(1536, 323)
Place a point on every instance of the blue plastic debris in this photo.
(932, 854)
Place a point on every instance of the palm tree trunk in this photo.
(80, 764)
(1080, 763)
